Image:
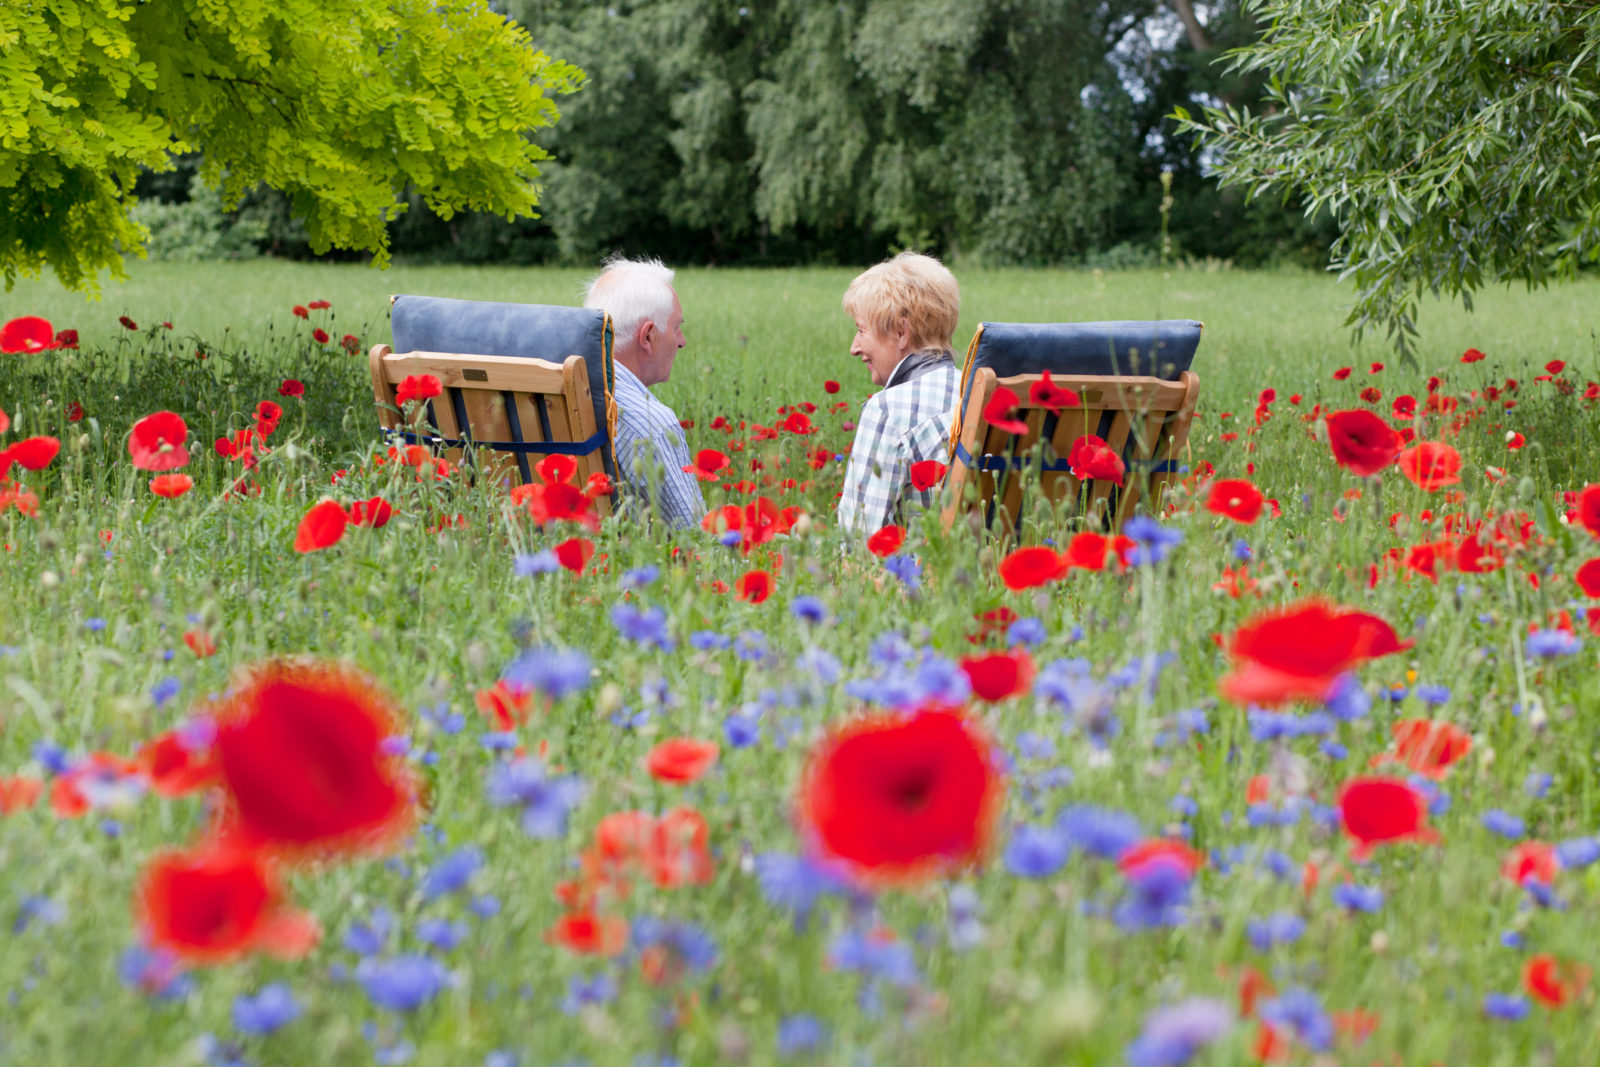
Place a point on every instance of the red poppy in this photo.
(29, 333)
(995, 621)
(5, 421)
(299, 312)
(1362, 442)
(574, 553)
(217, 903)
(1088, 550)
(267, 411)
(1531, 861)
(900, 798)
(707, 462)
(19, 793)
(321, 527)
(1515, 441)
(1427, 746)
(678, 851)
(156, 442)
(754, 586)
(1027, 568)
(300, 749)
(1376, 811)
(127, 323)
(1431, 466)
(33, 453)
(173, 768)
(66, 339)
(417, 387)
(504, 705)
(588, 934)
(320, 336)
(830, 386)
(1237, 499)
(200, 643)
(1555, 366)
(1046, 394)
(599, 484)
(1471, 355)
(1474, 557)
(292, 387)
(1299, 652)
(1403, 406)
(798, 423)
(927, 473)
(681, 760)
(171, 485)
(351, 343)
(997, 412)
(1552, 982)
(1341, 374)
(374, 512)
(1090, 459)
(1372, 394)
(887, 541)
(1589, 509)
(1140, 857)
(999, 675)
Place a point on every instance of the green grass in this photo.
(89, 623)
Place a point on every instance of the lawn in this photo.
(1172, 875)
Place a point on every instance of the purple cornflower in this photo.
(1154, 541)
(402, 983)
(1036, 851)
(542, 562)
(1158, 895)
(1284, 928)
(599, 990)
(1100, 832)
(544, 800)
(452, 873)
(741, 730)
(441, 934)
(155, 973)
(800, 1034)
(646, 626)
(369, 938)
(873, 958)
(1504, 823)
(553, 672)
(683, 941)
(1173, 1035)
(906, 568)
(794, 882)
(1547, 644)
(808, 609)
(1577, 852)
(1353, 897)
(1299, 1012)
(271, 1009)
(1509, 1007)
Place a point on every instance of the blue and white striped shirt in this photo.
(651, 453)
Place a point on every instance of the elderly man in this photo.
(647, 321)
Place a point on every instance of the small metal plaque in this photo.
(472, 374)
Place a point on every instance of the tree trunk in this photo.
(1191, 25)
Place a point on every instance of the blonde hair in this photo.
(913, 287)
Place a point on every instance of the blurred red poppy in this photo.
(1362, 442)
(321, 527)
(374, 512)
(926, 473)
(33, 453)
(574, 553)
(299, 312)
(1237, 499)
(681, 760)
(1471, 355)
(678, 850)
(300, 748)
(320, 335)
(997, 412)
(156, 442)
(754, 587)
(1091, 459)
(5, 421)
(707, 462)
(504, 705)
(1046, 394)
(999, 675)
(1531, 861)
(830, 386)
(291, 387)
(171, 485)
(1088, 550)
(1300, 651)
(1588, 578)
(218, 903)
(417, 387)
(1431, 465)
(900, 798)
(351, 343)
(172, 768)
(589, 934)
(1589, 509)
(1552, 982)
(1376, 811)
(1158, 850)
(127, 323)
(200, 643)
(1427, 746)
(29, 333)
(19, 793)
(1027, 568)
(1341, 374)
(798, 423)
(887, 541)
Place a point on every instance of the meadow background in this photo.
(99, 586)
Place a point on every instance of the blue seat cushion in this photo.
(1163, 349)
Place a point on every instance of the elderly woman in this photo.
(905, 312)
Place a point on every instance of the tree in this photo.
(341, 104)
(1453, 140)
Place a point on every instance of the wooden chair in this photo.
(519, 409)
(1143, 418)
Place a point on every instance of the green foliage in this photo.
(199, 227)
(338, 103)
(1452, 140)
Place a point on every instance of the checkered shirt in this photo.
(900, 425)
(651, 453)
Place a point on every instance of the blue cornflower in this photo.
(1577, 852)
(485, 906)
(684, 940)
(906, 568)
(1036, 851)
(1334, 750)
(1154, 541)
(889, 960)
(402, 983)
(1035, 746)
(1241, 551)
(1513, 939)
(1099, 831)
(644, 625)
(800, 1034)
(1433, 695)
(1537, 784)
(1510, 1007)
(1353, 897)
(164, 691)
(94, 625)
(1027, 631)
(1504, 823)
(1299, 1012)
(1183, 805)
(1348, 701)
(1173, 1035)
(369, 938)
(1278, 864)
(601, 989)
(542, 562)
(1284, 928)
(1547, 644)
(965, 926)
(793, 882)
(819, 664)
(270, 1009)
(709, 641)
(808, 609)
(52, 757)
(553, 672)
(730, 538)
(741, 730)
(544, 800)
(154, 972)
(444, 720)
(639, 577)
(751, 646)
(1158, 894)
(42, 910)
(441, 934)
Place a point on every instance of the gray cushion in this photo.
(1163, 348)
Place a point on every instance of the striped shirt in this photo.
(651, 453)
(900, 425)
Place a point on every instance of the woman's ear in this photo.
(902, 335)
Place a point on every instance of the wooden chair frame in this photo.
(521, 409)
(1145, 420)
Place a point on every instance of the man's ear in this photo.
(645, 335)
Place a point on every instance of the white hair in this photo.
(631, 291)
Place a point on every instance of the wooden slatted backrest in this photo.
(491, 404)
(1144, 420)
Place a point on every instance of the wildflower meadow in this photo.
(316, 748)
